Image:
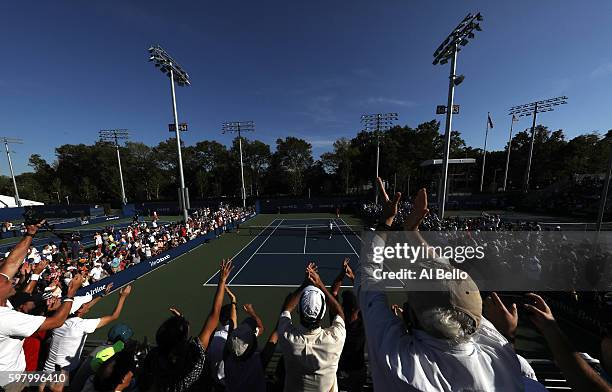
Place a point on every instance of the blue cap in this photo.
(120, 332)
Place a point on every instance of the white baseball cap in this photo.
(80, 301)
(312, 304)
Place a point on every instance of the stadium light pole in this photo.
(532, 109)
(604, 193)
(448, 50)
(113, 136)
(484, 150)
(514, 119)
(175, 72)
(378, 123)
(239, 127)
(7, 141)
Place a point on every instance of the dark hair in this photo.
(173, 332)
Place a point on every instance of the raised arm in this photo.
(268, 351)
(233, 304)
(123, 294)
(503, 319)
(61, 314)
(580, 375)
(335, 287)
(213, 318)
(250, 310)
(40, 267)
(14, 260)
(419, 211)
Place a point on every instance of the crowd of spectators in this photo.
(448, 339)
(117, 248)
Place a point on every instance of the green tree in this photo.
(294, 157)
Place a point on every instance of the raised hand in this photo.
(248, 308)
(33, 229)
(25, 269)
(348, 271)
(313, 275)
(540, 313)
(125, 291)
(397, 310)
(224, 269)
(75, 285)
(230, 294)
(506, 321)
(389, 207)
(419, 211)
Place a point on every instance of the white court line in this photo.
(309, 253)
(346, 224)
(305, 237)
(243, 248)
(360, 239)
(307, 219)
(273, 285)
(254, 253)
(292, 286)
(347, 241)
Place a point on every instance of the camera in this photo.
(31, 216)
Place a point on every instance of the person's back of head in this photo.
(311, 307)
(172, 334)
(451, 309)
(447, 323)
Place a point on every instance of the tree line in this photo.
(89, 173)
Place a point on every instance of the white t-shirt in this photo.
(96, 273)
(14, 328)
(311, 357)
(419, 362)
(67, 343)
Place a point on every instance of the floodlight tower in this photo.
(7, 141)
(448, 50)
(239, 127)
(378, 123)
(175, 72)
(514, 119)
(113, 136)
(532, 109)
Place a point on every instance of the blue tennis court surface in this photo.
(278, 253)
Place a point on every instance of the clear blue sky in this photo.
(306, 69)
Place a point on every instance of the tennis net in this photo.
(309, 230)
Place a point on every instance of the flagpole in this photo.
(484, 152)
(508, 154)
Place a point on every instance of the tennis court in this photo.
(277, 254)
